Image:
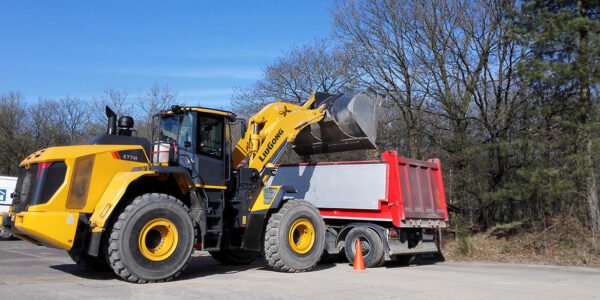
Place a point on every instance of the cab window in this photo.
(186, 132)
(211, 136)
(169, 128)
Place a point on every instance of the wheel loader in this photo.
(120, 202)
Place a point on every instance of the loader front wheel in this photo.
(152, 239)
(295, 237)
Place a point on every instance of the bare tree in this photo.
(318, 66)
(380, 34)
(13, 132)
(157, 98)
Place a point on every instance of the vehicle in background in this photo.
(7, 187)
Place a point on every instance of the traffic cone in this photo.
(359, 263)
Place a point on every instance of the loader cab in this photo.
(202, 142)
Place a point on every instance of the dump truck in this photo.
(394, 206)
(120, 202)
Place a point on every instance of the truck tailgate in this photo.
(417, 186)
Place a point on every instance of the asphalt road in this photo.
(31, 272)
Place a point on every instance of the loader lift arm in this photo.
(271, 130)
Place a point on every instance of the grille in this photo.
(38, 184)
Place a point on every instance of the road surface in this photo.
(31, 272)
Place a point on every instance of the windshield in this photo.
(181, 129)
(169, 128)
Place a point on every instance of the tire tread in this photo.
(112, 252)
(271, 244)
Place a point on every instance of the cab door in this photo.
(210, 150)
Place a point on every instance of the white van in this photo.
(7, 187)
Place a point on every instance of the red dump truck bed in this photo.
(406, 192)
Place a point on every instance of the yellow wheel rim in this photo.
(301, 236)
(158, 239)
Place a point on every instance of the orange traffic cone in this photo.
(359, 263)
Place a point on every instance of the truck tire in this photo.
(371, 244)
(152, 239)
(234, 257)
(88, 262)
(5, 234)
(294, 237)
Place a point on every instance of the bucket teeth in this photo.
(350, 123)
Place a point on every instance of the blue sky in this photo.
(201, 49)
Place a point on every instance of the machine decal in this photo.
(70, 220)
(271, 144)
(130, 155)
(2, 195)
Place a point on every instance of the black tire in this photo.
(404, 260)
(234, 257)
(88, 262)
(371, 244)
(5, 234)
(279, 253)
(124, 249)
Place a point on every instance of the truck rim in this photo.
(364, 245)
(158, 239)
(301, 236)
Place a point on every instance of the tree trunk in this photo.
(592, 190)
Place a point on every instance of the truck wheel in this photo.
(152, 239)
(88, 262)
(295, 237)
(234, 257)
(371, 244)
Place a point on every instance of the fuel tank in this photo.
(350, 123)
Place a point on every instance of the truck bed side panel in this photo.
(343, 186)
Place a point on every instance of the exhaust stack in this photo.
(350, 123)
(112, 121)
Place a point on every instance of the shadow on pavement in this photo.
(76, 270)
(200, 266)
(420, 260)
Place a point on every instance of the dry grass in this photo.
(560, 242)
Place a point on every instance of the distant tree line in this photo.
(506, 93)
(28, 126)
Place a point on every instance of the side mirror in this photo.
(244, 126)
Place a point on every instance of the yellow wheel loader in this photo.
(119, 202)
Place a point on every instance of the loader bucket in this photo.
(350, 123)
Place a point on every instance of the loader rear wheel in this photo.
(88, 262)
(295, 237)
(152, 239)
(371, 244)
(234, 257)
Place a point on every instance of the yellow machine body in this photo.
(101, 178)
(55, 222)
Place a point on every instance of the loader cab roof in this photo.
(176, 109)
